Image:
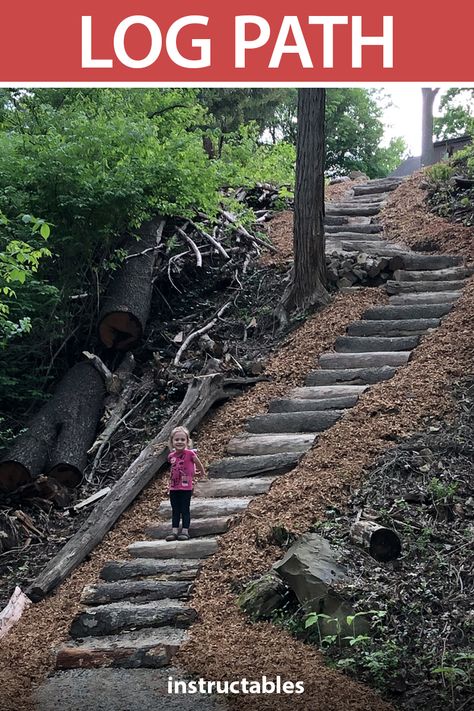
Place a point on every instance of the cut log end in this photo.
(66, 474)
(120, 330)
(384, 545)
(13, 475)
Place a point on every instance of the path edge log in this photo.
(203, 392)
(383, 544)
(126, 304)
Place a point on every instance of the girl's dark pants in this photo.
(180, 504)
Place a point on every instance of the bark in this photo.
(308, 285)
(202, 394)
(382, 543)
(427, 152)
(60, 434)
(126, 305)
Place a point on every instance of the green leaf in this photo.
(45, 230)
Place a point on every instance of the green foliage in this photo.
(457, 114)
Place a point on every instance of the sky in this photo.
(404, 117)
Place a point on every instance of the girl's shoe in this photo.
(183, 537)
(172, 537)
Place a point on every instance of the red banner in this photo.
(198, 42)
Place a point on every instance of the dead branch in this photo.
(192, 244)
(242, 231)
(199, 332)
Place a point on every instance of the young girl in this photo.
(184, 463)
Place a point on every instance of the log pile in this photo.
(355, 269)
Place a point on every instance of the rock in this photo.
(311, 570)
(261, 597)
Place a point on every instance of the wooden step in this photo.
(350, 377)
(238, 467)
(429, 262)
(359, 229)
(316, 391)
(197, 548)
(200, 527)
(372, 189)
(293, 421)
(353, 236)
(363, 360)
(246, 486)
(392, 328)
(425, 297)
(365, 344)
(401, 313)
(373, 247)
(270, 443)
(170, 569)
(352, 211)
(409, 287)
(451, 274)
(335, 220)
(152, 648)
(110, 619)
(209, 508)
(312, 404)
(134, 590)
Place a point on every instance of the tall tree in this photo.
(427, 154)
(309, 277)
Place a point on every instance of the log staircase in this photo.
(138, 615)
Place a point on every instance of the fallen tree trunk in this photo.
(203, 392)
(60, 434)
(126, 304)
(382, 543)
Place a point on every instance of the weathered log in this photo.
(312, 421)
(312, 405)
(60, 434)
(430, 261)
(270, 443)
(402, 313)
(450, 274)
(353, 211)
(126, 304)
(238, 467)
(197, 548)
(247, 486)
(363, 360)
(203, 393)
(169, 569)
(350, 376)
(425, 297)
(361, 229)
(134, 590)
(366, 344)
(392, 328)
(382, 543)
(199, 527)
(410, 287)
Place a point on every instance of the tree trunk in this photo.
(60, 434)
(309, 279)
(126, 305)
(202, 394)
(427, 152)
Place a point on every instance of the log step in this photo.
(393, 328)
(401, 313)
(451, 274)
(425, 297)
(270, 443)
(409, 287)
(414, 261)
(152, 648)
(238, 467)
(356, 236)
(200, 527)
(209, 508)
(134, 590)
(352, 211)
(293, 421)
(247, 486)
(197, 548)
(170, 569)
(375, 247)
(110, 619)
(311, 404)
(360, 229)
(335, 220)
(350, 377)
(363, 360)
(325, 391)
(373, 189)
(365, 344)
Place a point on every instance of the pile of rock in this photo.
(357, 269)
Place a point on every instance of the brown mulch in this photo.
(406, 220)
(26, 654)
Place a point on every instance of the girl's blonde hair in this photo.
(185, 431)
